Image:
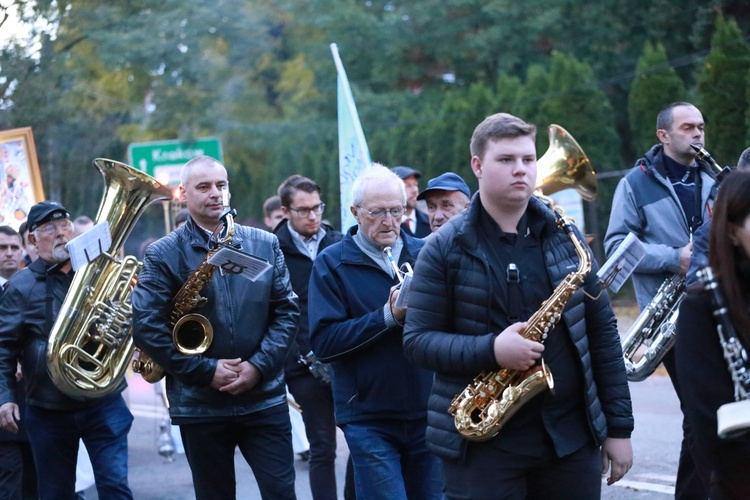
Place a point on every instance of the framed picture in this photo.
(20, 181)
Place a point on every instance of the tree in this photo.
(722, 91)
(656, 84)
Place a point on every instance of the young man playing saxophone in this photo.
(233, 394)
(476, 284)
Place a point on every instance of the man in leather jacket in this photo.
(55, 421)
(233, 394)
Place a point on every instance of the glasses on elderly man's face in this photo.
(53, 227)
(395, 212)
(305, 211)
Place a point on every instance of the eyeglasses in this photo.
(396, 212)
(305, 211)
(52, 227)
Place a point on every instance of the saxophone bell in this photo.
(652, 334)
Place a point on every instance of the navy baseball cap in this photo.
(446, 182)
(45, 211)
(404, 172)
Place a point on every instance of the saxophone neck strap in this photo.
(512, 273)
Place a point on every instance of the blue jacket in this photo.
(645, 203)
(449, 328)
(252, 320)
(371, 378)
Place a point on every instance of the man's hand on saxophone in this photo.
(513, 351)
(685, 253)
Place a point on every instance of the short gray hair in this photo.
(198, 160)
(375, 173)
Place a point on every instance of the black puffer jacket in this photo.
(24, 332)
(255, 321)
(448, 327)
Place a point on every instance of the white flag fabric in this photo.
(354, 156)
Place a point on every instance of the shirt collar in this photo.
(315, 237)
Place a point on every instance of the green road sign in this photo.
(164, 159)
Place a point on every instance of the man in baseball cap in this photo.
(43, 212)
(414, 221)
(446, 195)
(55, 420)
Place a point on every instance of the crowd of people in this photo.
(331, 318)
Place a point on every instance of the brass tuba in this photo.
(91, 341)
(192, 333)
(564, 166)
(483, 408)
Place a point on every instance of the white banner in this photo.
(354, 156)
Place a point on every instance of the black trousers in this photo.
(17, 471)
(316, 400)
(491, 473)
(265, 440)
(692, 481)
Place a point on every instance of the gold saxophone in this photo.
(192, 333)
(481, 410)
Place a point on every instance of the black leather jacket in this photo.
(255, 321)
(24, 331)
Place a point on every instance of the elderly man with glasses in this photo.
(380, 399)
(56, 422)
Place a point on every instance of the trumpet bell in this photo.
(565, 166)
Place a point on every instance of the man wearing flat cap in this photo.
(446, 195)
(414, 221)
(56, 421)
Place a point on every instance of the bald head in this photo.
(201, 182)
(202, 162)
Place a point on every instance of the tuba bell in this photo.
(564, 166)
(91, 343)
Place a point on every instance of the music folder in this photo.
(86, 247)
(621, 264)
(230, 260)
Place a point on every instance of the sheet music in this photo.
(232, 261)
(403, 293)
(620, 266)
(86, 247)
